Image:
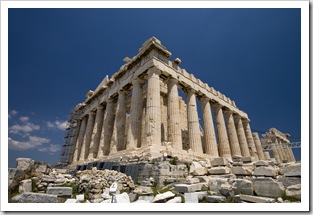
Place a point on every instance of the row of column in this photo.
(281, 151)
(103, 132)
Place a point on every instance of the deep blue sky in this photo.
(57, 55)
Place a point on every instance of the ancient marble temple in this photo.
(139, 112)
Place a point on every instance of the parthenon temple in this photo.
(149, 108)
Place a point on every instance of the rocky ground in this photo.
(207, 181)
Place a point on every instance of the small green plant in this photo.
(289, 198)
(174, 161)
(230, 199)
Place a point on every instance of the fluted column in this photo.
(153, 109)
(232, 134)
(209, 133)
(280, 150)
(223, 143)
(107, 128)
(286, 151)
(118, 137)
(96, 133)
(87, 136)
(275, 153)
(250, 140)
(143, 125)
(174, 130)
(267, 155)
(193, 123)
(291, 154)
(258, 145)
(134, 128)
(80, 139)
(242, 137)
(74, 142)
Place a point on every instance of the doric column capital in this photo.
(92, 113)
(137, 81)
(100, 107)
(228, 112)
(110, 100)
(205, 99)
(173, 80)
(153, 70)
(191, 90)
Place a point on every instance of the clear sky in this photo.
(57, 55)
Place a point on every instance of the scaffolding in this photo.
(68, 146)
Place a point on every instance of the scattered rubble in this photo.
(208, 181)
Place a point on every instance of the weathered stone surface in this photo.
(60, 191)
(238, 170)
(175, 200)
(143, 190)
(25, 186)
(288, 181)
(256, 199)
(219, 162)
(216, 199)
(197, 169)
(268, 187)
(247, 159)
(163, 197)
(191, 197)
(121, 198)
(215, 183)
(296, 167)
(265, 171)
(261, 163)
(190, 180)
(14, 177)
(29, 197)
(187, 188)
(294, 191)
(201, 195)
(242, 186)
(226, 190)
(219, 170)
(24, 164)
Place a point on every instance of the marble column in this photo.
(118, 138)
(286, 151)
(153, 109)
(275, 153)
(251, 144)
(279, 150)
(107, 128)
(193, 123)
(242, 137)
(223, 143)
(75, 142)
(282, 147)
(258, 145)
(143, 125)
(87, 136)
(291, 154)
(134, 128)
(232, 134)
(80, 139)
(209, 133)
(96, 133)
(174, 129)
(267, 155)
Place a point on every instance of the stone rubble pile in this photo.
(211, 181)
(94, 182)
